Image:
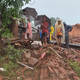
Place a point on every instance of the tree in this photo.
(8, 8)
(53, 20)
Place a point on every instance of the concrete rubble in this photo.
(75, 40)
(51, 66)
(50, 63)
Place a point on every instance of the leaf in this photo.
(0, 30)
(14, 18)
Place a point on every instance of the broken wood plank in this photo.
(54, 51)
(25, 65)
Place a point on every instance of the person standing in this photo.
(51, 32)
(68, 29)
(44, 27)
(29, 30)
(23, 23)
(59, 32)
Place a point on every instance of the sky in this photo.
(66, 10)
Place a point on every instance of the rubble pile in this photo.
(73, 55)
(72, 39)
(17, 42)
(48, 63)
(52, 64)
(75, 40)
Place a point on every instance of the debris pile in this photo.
(72, 39)
(52, 64)
(17, 42)
(75, 40)
(48, 63)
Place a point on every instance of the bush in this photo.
(13, 54)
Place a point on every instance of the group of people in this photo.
(61, 30)
(24, 26)
(61, 33)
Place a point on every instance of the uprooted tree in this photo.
(8, 8)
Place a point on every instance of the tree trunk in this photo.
(1, 42)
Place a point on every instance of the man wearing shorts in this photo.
(44, 27)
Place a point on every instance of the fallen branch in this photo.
(6, 57)
(54, 51)
(25, 65)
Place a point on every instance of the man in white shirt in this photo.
(23, 23)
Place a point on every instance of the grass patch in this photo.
(75, 66)
(9, 61)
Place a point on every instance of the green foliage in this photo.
(9, 69)
(13, 53)
(7, 33)
(75, 66)
(1, 60)
(53, 21)
(10, 64)
(0, 30)
(8, 9)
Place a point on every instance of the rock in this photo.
(35, 54)
(27, 53)
(32, 61)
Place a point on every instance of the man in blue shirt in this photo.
(68, 29)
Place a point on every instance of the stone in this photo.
(27, 54)
(35, 52)
(32, 61)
